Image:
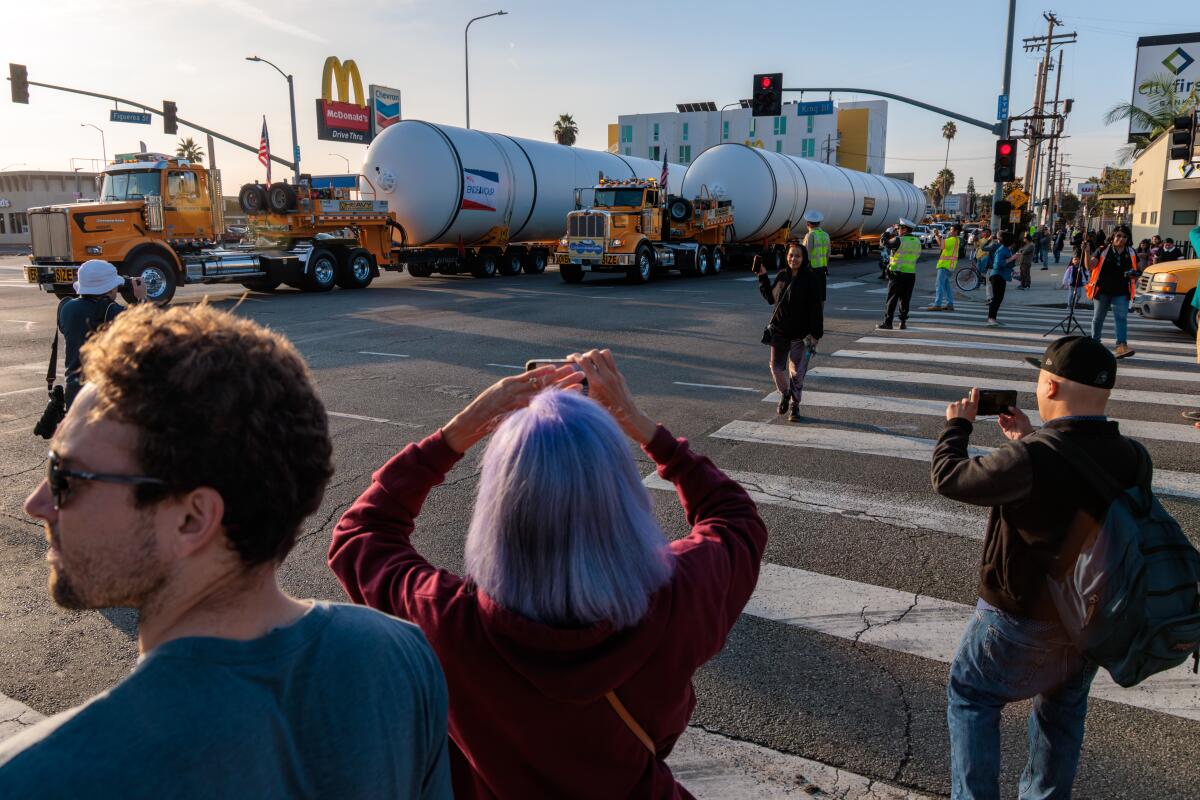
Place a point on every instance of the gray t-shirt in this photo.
(346, 702)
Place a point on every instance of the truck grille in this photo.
(1144, 283)
(587, 224)
(48, 231)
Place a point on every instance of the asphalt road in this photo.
(400, 358)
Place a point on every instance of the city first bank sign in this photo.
(341, 120)
(1174, 58)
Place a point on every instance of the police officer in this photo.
(902, 276)
(943, 298)
(817, 243)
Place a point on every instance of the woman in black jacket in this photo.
(796, 324)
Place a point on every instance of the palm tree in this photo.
(1165, 105)
(949, 131)
(188, 149)
(565, 130)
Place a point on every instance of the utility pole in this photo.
(1036, 132)
(1055, 132)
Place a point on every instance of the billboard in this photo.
(341, 120)
(385, 108)
(1175, 57)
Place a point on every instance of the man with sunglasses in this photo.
(176, 485)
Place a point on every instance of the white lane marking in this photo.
(379, 420)
(716, 386)
(846, 500)
(320, 337)
(755, 278)
(1031, 313)
(15, 717)
(926, 627)
(1168, 374)
(28, 325)
(880, 290)
(968, 381)
(507, 366)
(1139, 429)
(1143, 333)
(844, 284)
(1002, 333)
(373, 353)
(938, 358)
(23, 391)
(911, 448)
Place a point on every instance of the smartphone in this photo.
(993, 402)
(535, 363)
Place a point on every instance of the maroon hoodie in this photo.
(528, 716)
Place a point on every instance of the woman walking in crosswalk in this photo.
(797, 324)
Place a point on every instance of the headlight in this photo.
(617, 242)
(1165, 278)
(95, 250)
(563, 241)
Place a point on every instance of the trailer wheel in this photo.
(158, 273)
(535, 262)
(419, 270)
(355, 270)
(484, 265)
(281, 198)
(715, 257)
(571, 273)
(321, 270)
(643, 265)
(701, 261)
(510, 263)
(253, 199)
(265, 285)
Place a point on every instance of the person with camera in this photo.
(1112, 285)
(796, 325)
(570, 640)
(96, 305)
(1016, 647)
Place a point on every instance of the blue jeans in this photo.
(944, 294)
(1004, 659)
(1120, 308)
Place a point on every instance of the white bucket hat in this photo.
(814, 216)
(97, 277)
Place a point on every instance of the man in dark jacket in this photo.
(796, 324)
(96, 305)
(1015, 647)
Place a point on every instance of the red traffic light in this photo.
(766, 81)
(1004, 149)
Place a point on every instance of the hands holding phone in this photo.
(1014, 423)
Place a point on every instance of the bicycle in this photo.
(967, 277)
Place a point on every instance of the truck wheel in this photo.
(265, 285)
(643, 265)
(159, 275)
(484, 265)
(1188, 316)
(419, 270)
(510, 263)
(535, 262)
(571, 273)
(715, 257)
(253, 199)
(702, 263)
(355, 270)
(281, 198)
(321, 270)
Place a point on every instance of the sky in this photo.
(592, 60)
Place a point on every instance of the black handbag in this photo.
(56, 406)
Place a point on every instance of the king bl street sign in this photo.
(138, 117)
(1002, 107)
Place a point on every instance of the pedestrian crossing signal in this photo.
(19, 77)
(1006, 160)
(767, 100)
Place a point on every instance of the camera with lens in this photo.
(1130, 274)
(56, 409)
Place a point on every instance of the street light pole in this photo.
(103, 146)
(292, 104)
(467, 59)
(343, 158)
(721, 120)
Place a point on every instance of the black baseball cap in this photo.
(1081, 359)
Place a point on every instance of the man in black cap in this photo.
(1015, 647)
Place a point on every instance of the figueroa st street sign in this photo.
(340, 120)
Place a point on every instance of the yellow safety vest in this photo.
(949, 257)
(905, 257)
(817, 242)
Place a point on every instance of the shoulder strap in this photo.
(630, 722)
(1083, 463)
(52, 368)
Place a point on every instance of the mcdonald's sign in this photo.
(341, 120)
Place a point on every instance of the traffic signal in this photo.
(20, 83)
(1006, 160)
(170, 124)
(1183, 138)
(768, 95)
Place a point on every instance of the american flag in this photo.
(662, 179)
(264, 150)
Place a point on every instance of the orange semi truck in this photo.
(162, 219)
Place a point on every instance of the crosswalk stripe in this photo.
(1144, 331)
(1139, 429)
(880, 290)
(1002, 333)
(1142, 355)
(969, 381)
(1035, 314)
(939, 358)
(845, 500)
(869, 443)
(926, 627)
(844, 284)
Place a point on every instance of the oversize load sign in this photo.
(479, 190)
(1176, 58)
(340, 120)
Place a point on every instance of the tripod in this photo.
(1069, 323)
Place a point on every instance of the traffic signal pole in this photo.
(1005, 85)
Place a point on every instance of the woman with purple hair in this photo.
(570, 643)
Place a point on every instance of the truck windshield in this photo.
(618, 197)
(129, 185)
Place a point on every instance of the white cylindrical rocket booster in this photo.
(452, 185)
(772, 190)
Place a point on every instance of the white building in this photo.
(682, 135)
